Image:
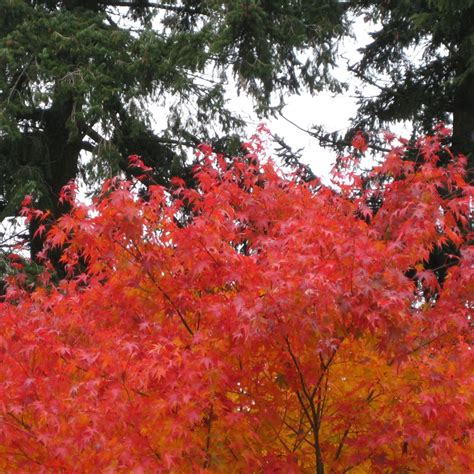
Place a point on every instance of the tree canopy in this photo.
(79, 76)
(225, 314)
(421, 61)
(250, 339)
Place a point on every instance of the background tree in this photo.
(75, 77)
(79, 76)
(419, 67)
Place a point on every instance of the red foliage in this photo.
(276, 331)
(359, 142)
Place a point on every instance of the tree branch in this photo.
(292, 158)
(315, 417)
(88, 146)
(329, 141)
(207, 460)
(341, 443)
(151, 4)
(19, 80)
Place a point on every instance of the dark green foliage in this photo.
(438, 85)
(80, 76)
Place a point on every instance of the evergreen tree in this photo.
(79, 76)
(420, 60)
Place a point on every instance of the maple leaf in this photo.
(57, 237)
(359, 142)
(68, 193)
(40, 231)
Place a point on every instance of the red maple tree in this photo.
(255, 323)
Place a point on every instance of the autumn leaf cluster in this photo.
(254, 323)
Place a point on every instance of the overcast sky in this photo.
(331, 111)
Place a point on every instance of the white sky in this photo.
(331, 111)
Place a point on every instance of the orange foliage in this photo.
(276, 330)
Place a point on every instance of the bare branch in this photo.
(152, 4)
(329, 141)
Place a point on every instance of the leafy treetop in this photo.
(276, 330)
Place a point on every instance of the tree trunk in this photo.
(61, 164)
(463, 110)
(463, 123)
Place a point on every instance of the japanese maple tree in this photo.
(255, 323)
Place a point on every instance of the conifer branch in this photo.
(152, 4)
